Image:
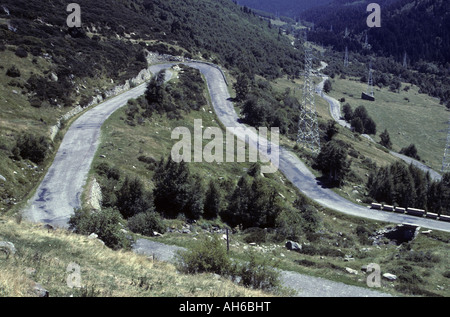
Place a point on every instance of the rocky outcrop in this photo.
(95, 196)
(8, 248)
(293, 246)
(398, 234)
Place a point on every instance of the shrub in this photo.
(21, 52)
(386, 140)
(289, 225)
(13, 71)
(146, 223)
(259, 273)
(410, 151)
(327, 86)
(29, 147)
(104, 169)
(363, 235)
(107, 224)
(256, 235)
(207, 256)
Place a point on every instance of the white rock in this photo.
(93, 236)
(389, 276)
(351, 271)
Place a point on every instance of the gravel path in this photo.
(304, 285)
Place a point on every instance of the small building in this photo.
(368, 97)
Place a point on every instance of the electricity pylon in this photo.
(308, 127)
(346, 57)
(370, 81)
(366, 42)
(446, 160)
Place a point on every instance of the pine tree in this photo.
(241, 87)
(172, 187)
(239, 203)
(386, 140)
(333, 162)
(213, 201)
(132, 198)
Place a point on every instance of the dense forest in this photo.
(116, 32)
(417, 27)
(288, 8)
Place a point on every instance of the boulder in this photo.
(389, 276)
(93, 236)
(8, 248)
(2, 178)
(293, 246)
(40, 291)
(351, 271)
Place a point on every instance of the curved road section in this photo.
(60, 191)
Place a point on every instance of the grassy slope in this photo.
(103, 272)
(17, 117)
(123, 144)
(338, 231)
(364, 148)
(408, 116)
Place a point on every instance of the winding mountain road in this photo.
(60, 191)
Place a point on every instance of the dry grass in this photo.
(104, 272)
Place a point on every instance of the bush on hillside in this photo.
(107, 224)
(207, 256)
(146, 223)
(30, 147)
(13, 71)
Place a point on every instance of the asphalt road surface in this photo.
(60, 191)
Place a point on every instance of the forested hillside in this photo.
(219, 30)
(47, 68)
(411, 29)
(288, 8)
(417, 27)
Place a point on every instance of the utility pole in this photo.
(446, 160)
(370, 81)
(366, 42)
(346, 57)
(308, 127)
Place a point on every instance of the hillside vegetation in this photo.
(46, 68)
(44, 256)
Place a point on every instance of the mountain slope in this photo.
(289, 8)
(417, 27)
(47, 68)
